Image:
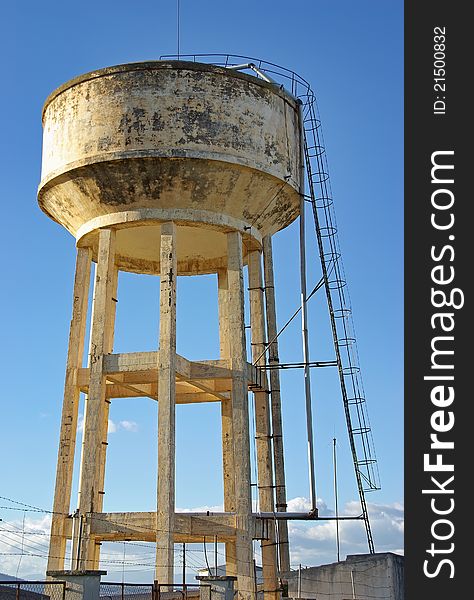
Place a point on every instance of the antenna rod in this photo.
(177, 23)
(184, 565)
(215, 555)
(304, 321)
(335, 500)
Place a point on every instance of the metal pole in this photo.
(177, 26)
(299, 581)
(123, 566)
(335, 500)
(304, 320)
(215, 555)
(77, 539)
(255, 577)
(74, 537)
(184, 564)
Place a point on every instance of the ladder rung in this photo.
(361, 430)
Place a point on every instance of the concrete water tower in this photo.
(173, 168)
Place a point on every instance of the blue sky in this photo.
(352, 53)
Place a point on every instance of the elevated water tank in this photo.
(134, 145)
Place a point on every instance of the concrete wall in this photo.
(374, 576)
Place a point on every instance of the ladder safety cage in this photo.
(337, 294)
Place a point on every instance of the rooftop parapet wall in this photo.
(377, 576)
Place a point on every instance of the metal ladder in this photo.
(340, 311)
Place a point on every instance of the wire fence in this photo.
(33, 590)
(153, 591)
(183, 592)
(61, 590)
(131, 591)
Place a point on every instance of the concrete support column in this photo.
(101, 334)
(67, 439)
(275, 395)
(240, 417)
(166, 408)
(226, 418)
(262, 424)
(109, 344)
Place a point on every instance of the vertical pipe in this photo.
(336, 500)
(76, 540)
(304, 320)
(299, 581)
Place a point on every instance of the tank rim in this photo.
(164, 64)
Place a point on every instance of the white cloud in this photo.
(113, 427)
(24, 547)
(301, 504)
(313, 543)
(128, 425)
(202, 509)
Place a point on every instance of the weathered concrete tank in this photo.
(135, 145)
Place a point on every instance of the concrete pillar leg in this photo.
(275, 396)
(226, 418)
(262, 426)
(109, 345)
(166, 408)
(95, 408)
(67, 439)
(240, 417)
